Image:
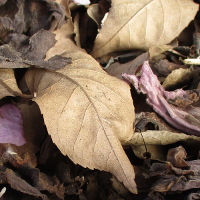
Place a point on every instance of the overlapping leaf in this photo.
(87, 112)
(8, 85)
(136, 24)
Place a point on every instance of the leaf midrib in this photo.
(99, 118)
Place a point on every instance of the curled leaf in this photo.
(25, 37)
(153, 137)
(82, 2)
(86, 111)
(184, 119)
(117, 69)
(17, 183)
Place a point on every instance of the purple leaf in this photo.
(11, 125)
(148, 83)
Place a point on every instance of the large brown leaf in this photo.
(87, 112)
(137, 24)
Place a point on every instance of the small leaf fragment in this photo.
(86, 111)
(177, 77)
(185, 119)
(17, 183)
(11, 125)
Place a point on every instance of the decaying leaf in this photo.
(143, 24)
(42, 182)
(151, 121)
(176, 178)
(21, 185)
(8, 84)
(25, 36)
(194, 196)
(11, 125)
(86, 111)
(164, 67)
(186, 119)
(97, 11)
(157, 50)
(27, 179)
(17, 156)
(155, 140)
(19, 54)
(178, 78)
(160, 138)
(177, 156)
(82, 2)
(154, 152)
(29, 17)
(94, 12)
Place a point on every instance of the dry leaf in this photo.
(43, 182)
(87, 112)
(151, 121)
(34, 134)
(28, 17)
(155, 140)
(17, 183)
(178, 78)
(157, 50)
(97, 11)
(11, 125)
(155, 152)
(164, 67)
(176, 156)
(94, 11)
(181, 177)
(143, 24)
(18, 156)
(185, 119)
(117, 69)
(8, 85)
(160, 138)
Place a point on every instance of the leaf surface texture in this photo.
(136, 24)
(87, 112)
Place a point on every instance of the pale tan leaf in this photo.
(160, 138)
(8, 84)
(155, 140)
(117, 69)
(177, 78)
(137, 24)
(87, 112)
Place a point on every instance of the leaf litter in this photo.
(84, 116)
